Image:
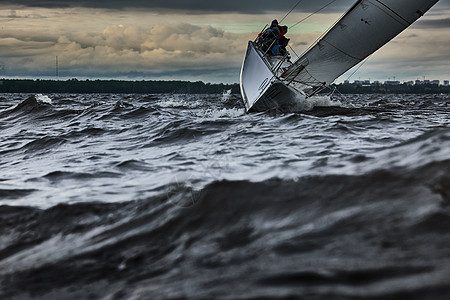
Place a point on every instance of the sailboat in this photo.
(277, 83)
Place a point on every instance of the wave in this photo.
(58, 176)
(15, 193)
(30, 105)
(39, 109)
(431, 147)
(43, 144)
(317, 234)
(346, 201)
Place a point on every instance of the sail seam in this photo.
(394, 12)
(343, 52)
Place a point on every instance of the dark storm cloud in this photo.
(238, 6)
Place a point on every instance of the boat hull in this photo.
(261, 90)
(278, 97)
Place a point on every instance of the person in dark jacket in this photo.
(284, 30)
(270, 37)
(262, 35)
(280, 49)
(274, 24)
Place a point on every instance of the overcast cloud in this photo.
(180, 40)
(249, 6)
(240, 6)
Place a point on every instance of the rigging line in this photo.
(291, 11)
(320, 9)
(293, 51)
(331, 27)
(340, 94)
(359, 67)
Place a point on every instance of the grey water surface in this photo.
(108, 196)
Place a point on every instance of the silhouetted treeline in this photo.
(352, 88)
(112, 86)
(159, 87)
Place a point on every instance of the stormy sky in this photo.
(190, 40)
(238, 6)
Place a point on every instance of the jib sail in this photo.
(365, 28)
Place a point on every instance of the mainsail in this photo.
(365, 28)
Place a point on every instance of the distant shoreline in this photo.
(112, 86)
(186, 87)
(397, 88)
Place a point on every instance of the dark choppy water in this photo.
(187, 197)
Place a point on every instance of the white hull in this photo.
(261, 89)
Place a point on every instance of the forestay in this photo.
(365, 28)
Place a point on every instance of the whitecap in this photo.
(43, 99)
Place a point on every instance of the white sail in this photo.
(365, 28)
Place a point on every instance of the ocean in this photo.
(174, 196)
